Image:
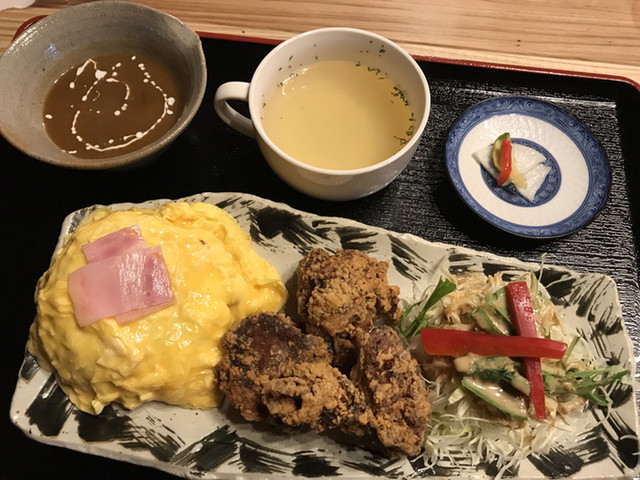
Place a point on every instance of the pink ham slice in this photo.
(128, 286)
(114, 244)
(124, 318)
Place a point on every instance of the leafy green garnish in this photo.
(494, 369)
(570, 348)
(495, 375)
(444, 287)
(590, 384)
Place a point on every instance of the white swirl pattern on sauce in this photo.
(102, 75)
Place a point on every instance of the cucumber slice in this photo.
(490, 321)
(498, 300)
(495, 152)
(520, 383)
(496, 396)
(516, 177)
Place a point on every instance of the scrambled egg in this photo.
(169, 355)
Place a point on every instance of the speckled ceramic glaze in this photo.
(54, 44)
(219, 444)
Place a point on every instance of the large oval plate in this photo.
(575, 189)
(218, 444)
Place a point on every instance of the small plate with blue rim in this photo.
(573, 191)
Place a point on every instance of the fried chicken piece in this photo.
(272, 371)
(341, 295)
(390, 379)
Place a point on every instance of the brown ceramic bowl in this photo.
(51, 46)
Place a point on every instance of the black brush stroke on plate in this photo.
(211, 451)
(311, 464)
(493, 467)
(29, 367)
(586, 298)
(405, 259)
(50, 409)
(225, 445)
(230, 202)
(558, 463)
(562, 462)
(377, 466)
(269, 222)
(460, 263)
(609, 324)
(620, 393)
(623, 438)
(559, 285)
(254, 459)
(117, 426)
(601, 345)
(491, 268)
(356, 238)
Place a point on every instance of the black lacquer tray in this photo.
(210, 157)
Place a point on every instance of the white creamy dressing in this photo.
(111, 104)
(101, 75)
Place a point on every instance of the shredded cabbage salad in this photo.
(465, 429)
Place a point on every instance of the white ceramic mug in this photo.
(301, 51)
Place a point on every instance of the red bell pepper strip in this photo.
(456, 343)
(505, 161)
(522, 313)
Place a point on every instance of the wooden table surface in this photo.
(581, 36)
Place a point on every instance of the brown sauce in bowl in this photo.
(111, 105)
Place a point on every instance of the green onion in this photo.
(444, 287)
(590, 384)
(570, 348)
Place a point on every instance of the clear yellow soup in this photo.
(338, 115)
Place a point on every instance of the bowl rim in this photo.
(51, 23)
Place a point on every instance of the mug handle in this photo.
(237, 121)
